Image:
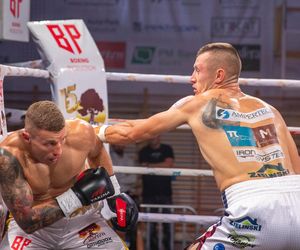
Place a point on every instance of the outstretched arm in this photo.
(134, 131)
(18, 197)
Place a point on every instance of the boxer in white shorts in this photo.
(248, 146)
(259, 214)
(46, 184)
(83, 231)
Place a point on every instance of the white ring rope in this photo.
(202, 220)
(18, 71)
(162, 171)
(114, 76)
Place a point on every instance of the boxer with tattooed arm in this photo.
(57, 181)
(248, 146)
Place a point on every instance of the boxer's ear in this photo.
(26, 135)
(220, 76)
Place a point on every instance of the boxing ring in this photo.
(25, 70)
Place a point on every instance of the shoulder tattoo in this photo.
(209, 115)
(10, 168)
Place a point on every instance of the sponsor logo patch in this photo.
(241, 240)
(114, 53)
(219, 246)
(246, 223)
(240, 136)
(270, 171)
(246, 154)
(93, 237)
(251, 117)
(143, 55)
(265, 135)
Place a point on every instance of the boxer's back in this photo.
(240, 136)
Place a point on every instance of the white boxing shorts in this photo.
(259, 214)
(83, 231)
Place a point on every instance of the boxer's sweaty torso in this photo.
(241, 137)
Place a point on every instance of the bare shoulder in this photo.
(9, 161)
(182, 101)
(78, 126)
(12, 139)
(12, 146)
(79, 132)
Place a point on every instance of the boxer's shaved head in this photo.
(44, 115)
(223, 55)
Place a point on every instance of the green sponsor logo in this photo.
(142, 55)
(241, 240)
(270, 171)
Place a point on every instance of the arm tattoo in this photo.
(18, 196)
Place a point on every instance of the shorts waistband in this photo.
(254, 188)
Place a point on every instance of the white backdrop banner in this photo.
(76, 66)
(14, 15)
(163, 36)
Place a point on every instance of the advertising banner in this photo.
(14, 15)
(76, 66)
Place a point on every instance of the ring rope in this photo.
(162, 171)
(203, 220)
(18, 71)
(115, 76)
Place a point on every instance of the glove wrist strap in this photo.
(106, 212)
(68, 202)
(116, 185)
(101, 133)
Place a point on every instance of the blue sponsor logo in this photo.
(223, 114)
(246, 223)
(240, 136)
(219, 246)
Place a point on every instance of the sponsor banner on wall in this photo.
(160, 35)
(14, 15)
(160, 58)
(176, 29)
(113, 53)
(77, 68)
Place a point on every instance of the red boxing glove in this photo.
(122, 212)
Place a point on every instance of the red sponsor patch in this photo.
(20, 242)
(113, 53)
(66, 37)
(121, 212)
(265, 135)
(90, 229)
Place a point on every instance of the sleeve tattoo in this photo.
(18, 197)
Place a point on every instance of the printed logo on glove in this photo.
(122, 211)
